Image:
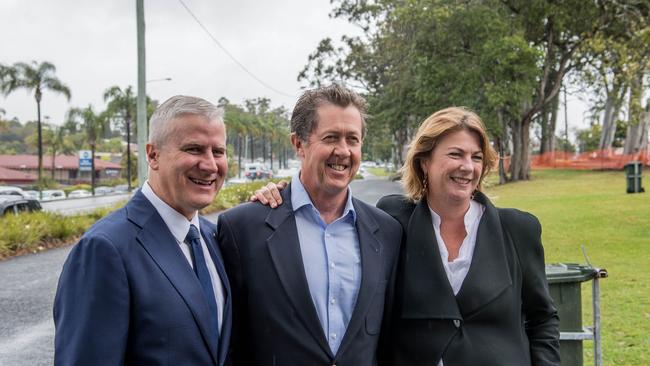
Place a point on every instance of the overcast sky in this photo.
(93, 45)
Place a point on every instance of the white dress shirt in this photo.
(179, 226)
(457, 269)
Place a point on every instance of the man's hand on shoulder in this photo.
(270, 194)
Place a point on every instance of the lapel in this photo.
(159, 242)
(284, 248)
(489, 273)
(427, 293)
(371, 271)
(210, 237)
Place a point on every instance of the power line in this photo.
(214, 39)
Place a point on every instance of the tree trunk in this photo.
(520, 134)
(610, 116)
(239, 152)
(545, 123)
(263, 148)
(501, 142)
(555, 106)
(635, 126)
(40, 141)
(252, 143)
(271, 151)
(400, 137)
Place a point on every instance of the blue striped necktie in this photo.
(201, 269)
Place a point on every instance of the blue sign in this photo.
(85, 161)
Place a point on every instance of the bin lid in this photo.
(569, 272)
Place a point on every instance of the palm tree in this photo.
(36, 77)
(55, 138)
(122, 104)
(93, 125)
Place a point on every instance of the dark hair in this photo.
(304, 116)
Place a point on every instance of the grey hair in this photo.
(160, 126)
(304, 116)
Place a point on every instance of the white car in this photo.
(12, 191)
(102, 190)
(79, 193)
(53, 195)
(31, 194)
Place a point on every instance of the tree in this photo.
(122, 103)
(506, 59)
(39, 78)
(55, 138)
(93, 125)
(587, 139)
(420, 56)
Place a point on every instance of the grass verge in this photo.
(37, 231)
(592, 208)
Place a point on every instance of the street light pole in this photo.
(161, 79)
(142, 99)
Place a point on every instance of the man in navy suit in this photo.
(311, 278)
(146, 285)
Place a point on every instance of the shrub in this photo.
(35, 231)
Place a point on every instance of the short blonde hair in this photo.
(430, 132)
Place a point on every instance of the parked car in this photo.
(121, 188)
(79, 193)
(12, 191)
(12, 204)
(53, 195)
(102, 190)
(254, 171)
(31, 194)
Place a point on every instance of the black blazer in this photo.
(274, 319)
(503, 314)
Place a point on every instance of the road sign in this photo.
(85, 161)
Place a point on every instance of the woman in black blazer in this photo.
(471, 288)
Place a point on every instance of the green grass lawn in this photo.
(592, 208)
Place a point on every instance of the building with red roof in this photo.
(66, 169)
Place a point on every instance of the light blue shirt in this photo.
(332, 261)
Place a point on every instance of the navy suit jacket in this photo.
(275, 319)
(128, 296)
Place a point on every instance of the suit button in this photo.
(456, 323)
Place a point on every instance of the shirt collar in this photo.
(177, 223)
(300, 198)
(470, 216)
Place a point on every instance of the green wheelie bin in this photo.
(633, 174)
(564, 281)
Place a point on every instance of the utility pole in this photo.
(142, 97)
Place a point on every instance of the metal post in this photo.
(598, 347)
(142, 96)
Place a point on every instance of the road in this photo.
(77, 205)
(29, 283)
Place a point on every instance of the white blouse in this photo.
(457, 269)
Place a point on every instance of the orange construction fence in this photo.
(591, 160)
